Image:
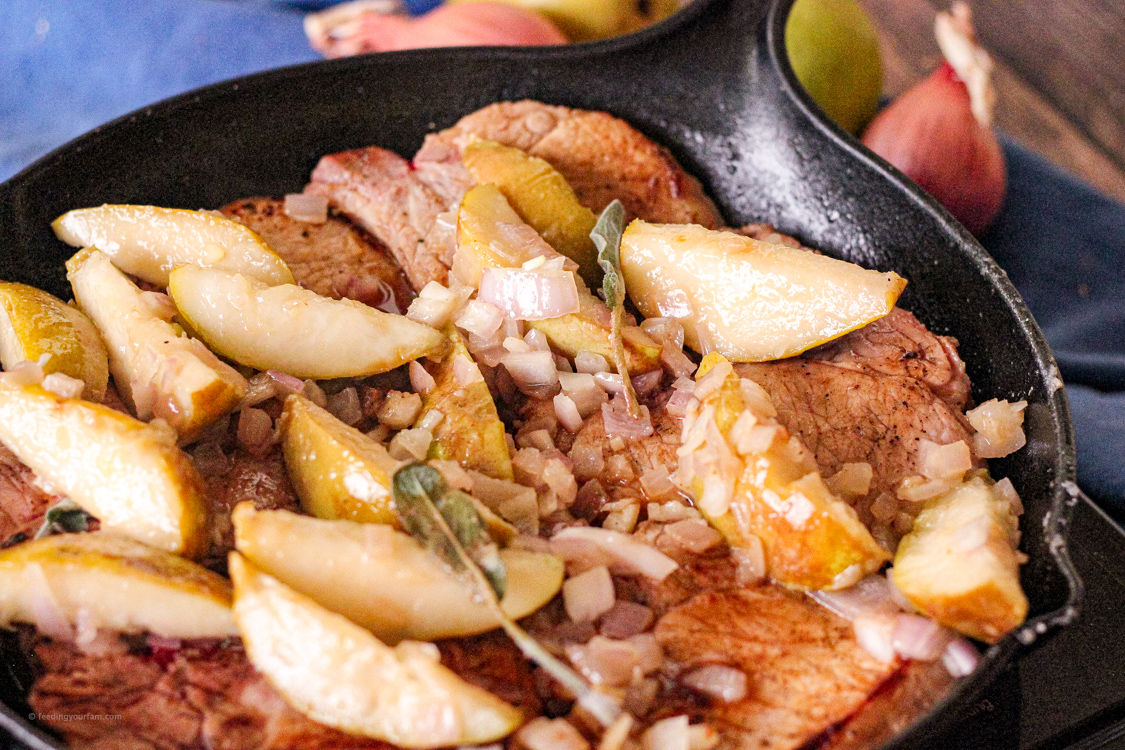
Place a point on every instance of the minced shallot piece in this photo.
(421, 381)
(917, 637)
(646, 383)
(255, 429)
(678, 364)
(516, 345)
(400, 409)
(542, 733)
(999, 426)
(345, 406)
(431, 420)
(435, 305)
(315, 393)
(516, 504)
(619, 423)
(853, 479)
(591, 363)
(455, 476)
(567, 412)
(63, 385)
(262, 387)
(960, 657)
(583, 390)
(873, 595)
(410, 445)
(587, 459)
(530, 369)
(284, 383)
(657, 482)
(537, 341)
(938, 461)
(465, 371)
(670, 511)
(718, 681)
(625, 619)
(312, 209)
(588, 595)
(917, 488)
(693, 535)
(668, 734)
(558, 476)
(610, 382)
(24, 373)
(479, 319)
(623, 519)
(625, 549)
(875, 633)
(536, 294)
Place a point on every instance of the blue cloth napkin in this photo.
(69, 65)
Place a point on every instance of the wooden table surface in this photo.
(1060, 74)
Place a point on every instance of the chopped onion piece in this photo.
(757, 399)
(410, 445)
(625, 620)
(938, 461)
(589, 595)
(560, 479)
(853, 480)
(435, 305)
(960, 657)
(667, 734)
(516, 345)
(875, 634)
(657, 483)
(255, 429)
(455, 476)
(625, 549)
(400, 409)
(999, 426)
(63, 385)
(24, 373)
(345, 406)
(537, 341)
(479, 318)
(871, 596)
(210, 460)
(583, 391)
(610, 382)
(315, 393)
(915, 489)
(530, 295)
(542, 733)
(285, 383)
(678, 364)
(531, 369)
(421, 381)
(646, 383)
(694, 535)
(618, 423)
(312, 209)
(432, 419)
(590, 363)
(666, 331)
(917, 637)
(718, 681)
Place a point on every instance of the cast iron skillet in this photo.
(713, 84)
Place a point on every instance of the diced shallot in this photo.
(667, 331)
(678, 364)
(999, 426)
(618, 422)
(583, 390)
(917, 637)
(285, 383)
(63, 385)
(465, 371)
(24, 373)
(421, 381)
(410, 445)
(646, 383)
(588, 595)
(537, 341)
(625, 549)
(667, 734)
(434, 306)
(626, 619)
(875, 633)
(537, 294)
(657, 483)
(531, 369)
(312, 209)
(610, 382)
(479, 318)
(542, 733)
(255, 429)
(400, 409)
(589, 362)
(345, 406)
(718, 681)
(567, 412)
(693, 535)
(871, 596)
(938, 461)
(431, 420)
(960, 657)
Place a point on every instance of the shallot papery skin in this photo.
(929, 133)
(457, 25)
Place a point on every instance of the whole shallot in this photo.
(356, 28)
(939, 132)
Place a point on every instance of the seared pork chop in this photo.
(207, 696)
(898, 344)
(333, 259)
(602, 158)
(379, 191)
(806, 672)
(846, 415)
(23, 504)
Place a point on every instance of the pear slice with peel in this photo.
(959, 563)
(470, 431)
(382, 578)
(34, 323)
(149, 241)
(750, 301)
(542, 197)
(294, 330)
(337, 471)
(492, 235)
(158, 371)
(115, 583)
(338, 674)
(128, 474)
(761, 489)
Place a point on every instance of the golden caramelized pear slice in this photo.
(543, 199)
(751, 301)
(491, 234)
(470, 431)
(755, 483)
(382, 579)
(106, 581)
(959, 565)
(148, 242)
(34, 323)
(158, 371)
(338, 674)
(337, 471)
(295, 330)
(128, 474)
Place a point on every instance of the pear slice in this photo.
(337, 471)
(491, 235)
(470, 431)
(295, 330)
(158, 371)
(149, 241)
(102, 580)
(383, 579)
(338, 674)
(34, 323)
(756, 484)
(751, 301)
(128, 474)
(959, 566)
(542, 197)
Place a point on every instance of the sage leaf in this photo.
(606, 235)
(65, 517)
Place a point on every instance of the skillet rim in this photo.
(1065, 493)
